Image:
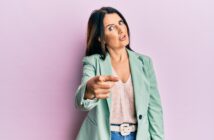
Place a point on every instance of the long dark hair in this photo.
(96, 30)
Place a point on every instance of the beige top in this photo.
(122, 106)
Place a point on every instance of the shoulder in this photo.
(147, 63)
(92, 59)
(145, 59)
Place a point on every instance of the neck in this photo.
(118, 55)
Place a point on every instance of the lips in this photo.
(122, 38)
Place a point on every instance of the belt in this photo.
(124, 129)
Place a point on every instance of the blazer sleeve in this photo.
(89, 71)
(155, 112)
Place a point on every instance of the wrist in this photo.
(89, 95)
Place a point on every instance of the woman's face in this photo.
(115, 31)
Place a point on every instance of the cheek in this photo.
(113, 38)
(126, 30)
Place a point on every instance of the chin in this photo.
(125, 44)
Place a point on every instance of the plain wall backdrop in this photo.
(42, 43)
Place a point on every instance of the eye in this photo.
(121, 22)
(111, 28)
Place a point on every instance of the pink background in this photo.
(42, 43)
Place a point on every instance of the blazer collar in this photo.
(139, 80)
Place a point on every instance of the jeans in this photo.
(118, 136)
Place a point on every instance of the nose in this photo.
(119, 29)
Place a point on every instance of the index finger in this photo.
(111, 78)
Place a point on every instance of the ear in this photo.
(100, 40)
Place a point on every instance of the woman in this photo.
(118, 86)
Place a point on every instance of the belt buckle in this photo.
(124, 129)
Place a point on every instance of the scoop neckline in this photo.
(124, 83)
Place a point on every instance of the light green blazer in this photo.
(96, 125)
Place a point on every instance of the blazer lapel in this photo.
(139, 79)
(105, 69)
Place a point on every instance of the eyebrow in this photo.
(113, 24)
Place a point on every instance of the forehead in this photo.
(111, 19)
